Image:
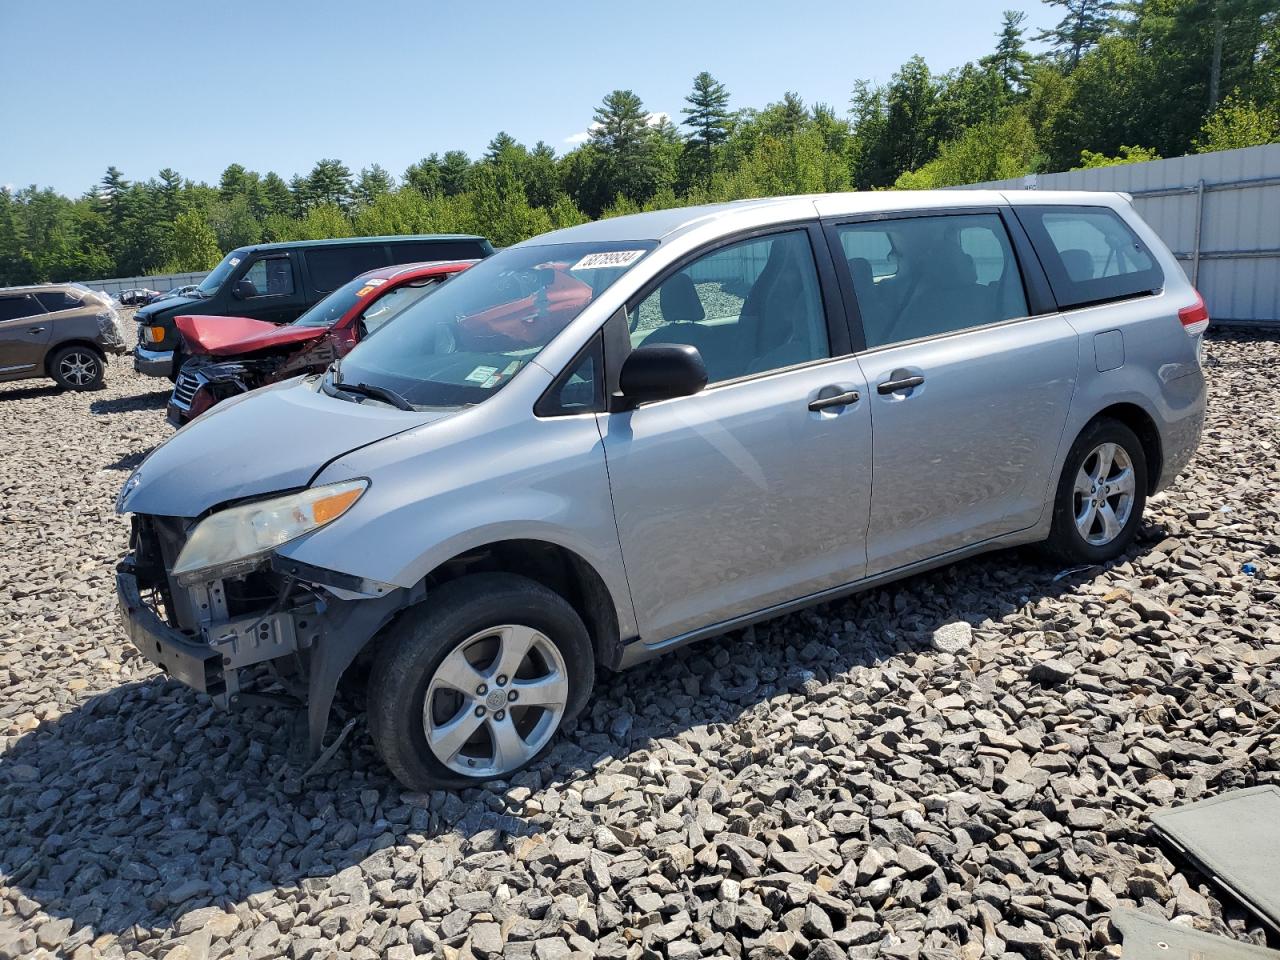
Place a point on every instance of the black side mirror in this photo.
(661, 371)
(244, 290)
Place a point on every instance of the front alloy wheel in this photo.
(495, 701)
(473, 683)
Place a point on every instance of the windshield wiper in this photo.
(377, 393)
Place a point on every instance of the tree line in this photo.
(1119, 82)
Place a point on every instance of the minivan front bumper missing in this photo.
(205, 638)
(184, 658)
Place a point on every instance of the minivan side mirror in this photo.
(660, 371)
(244, 290)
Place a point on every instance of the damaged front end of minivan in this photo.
(220, 624)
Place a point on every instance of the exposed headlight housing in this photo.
(234, 541)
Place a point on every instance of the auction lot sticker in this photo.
(611, 258)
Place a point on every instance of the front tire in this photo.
(473, 684)
(77, 368)
(1101, 495)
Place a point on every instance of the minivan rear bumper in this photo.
(153, 363)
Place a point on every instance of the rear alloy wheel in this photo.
(473, 684)
(1100, 496)
(1104, 494)
(77, 368)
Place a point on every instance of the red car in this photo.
(232, 355)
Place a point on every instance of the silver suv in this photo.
(612, 440)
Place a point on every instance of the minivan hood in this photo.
(268, 440)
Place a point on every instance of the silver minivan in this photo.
(611, 440)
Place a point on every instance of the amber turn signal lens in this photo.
(330, 508)
(155, 334)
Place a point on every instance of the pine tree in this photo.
(502, 147)
(374, 182)
(113, 194)
(708, 118)
(1086, 22)
(628, 148)
(455, 170)
(275, 195)
(1011, 60)
(424, 176)
(329, 182)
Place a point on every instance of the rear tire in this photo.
(473, 684)
(78, 368)
(1101, 495)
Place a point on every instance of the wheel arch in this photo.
(557, 568)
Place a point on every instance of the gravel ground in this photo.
(960, 765)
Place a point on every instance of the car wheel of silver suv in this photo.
(473, 684)
(1100, 496)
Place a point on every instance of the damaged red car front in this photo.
(228, 356)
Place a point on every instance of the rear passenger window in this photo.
(16, 307)
(1090, 255)
(749, 308)
(924, 276)
(331, 267)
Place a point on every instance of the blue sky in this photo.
(278, 85)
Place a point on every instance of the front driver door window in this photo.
(741, 497)
(749, 307)
(274, 293)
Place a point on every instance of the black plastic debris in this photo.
(1234, 839)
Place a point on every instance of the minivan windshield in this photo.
(210, 284)
(468, 339)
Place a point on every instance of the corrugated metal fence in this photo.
(161, 282)
(1218, 212)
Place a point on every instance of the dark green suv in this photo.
(277, 282)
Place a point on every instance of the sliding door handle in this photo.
(839, 400)
(904, 383)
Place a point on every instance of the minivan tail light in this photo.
(1195, 318)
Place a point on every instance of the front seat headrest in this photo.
(678, 300)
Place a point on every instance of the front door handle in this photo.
(903, 383)
(34, 330)
(839, 400)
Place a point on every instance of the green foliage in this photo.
(1119, 73)
(1089, 159)
(1239, 123)
(195, 247)
(322, 221)
(994, 150)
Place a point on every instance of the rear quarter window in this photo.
(1090, 254)
(54, 301)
